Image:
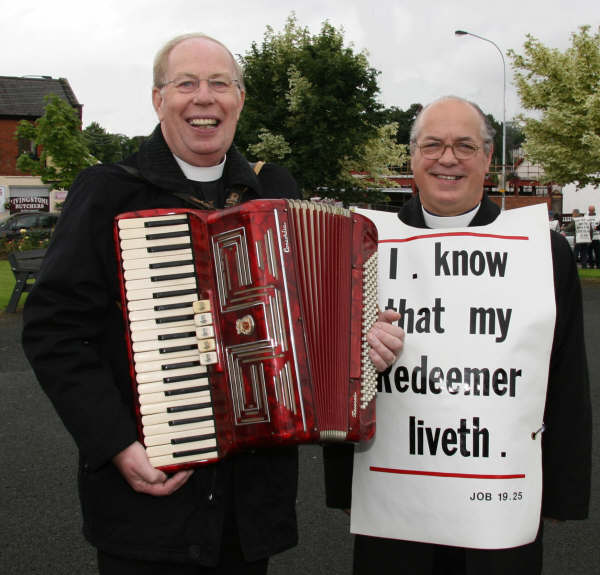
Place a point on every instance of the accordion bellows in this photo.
(246, 327)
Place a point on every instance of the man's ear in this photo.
(241, 106)
(157, 100)
(489, 159)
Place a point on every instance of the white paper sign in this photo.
(456, 459)
(595, 223)
(582, 230)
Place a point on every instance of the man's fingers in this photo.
(381, 357)
(386, 340)
(385, 337)
(134, 465)
(178, 480)
(390, 336)
(389, 315)
(379, 363)
(164, 487)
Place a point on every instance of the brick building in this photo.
(23, 98)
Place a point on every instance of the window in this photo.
(26, 146)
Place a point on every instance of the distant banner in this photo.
(583, 230)
(456, 458)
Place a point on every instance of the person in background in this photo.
(581, 238)
(594, 246)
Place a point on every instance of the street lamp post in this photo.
(464, 33)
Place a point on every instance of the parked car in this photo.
(42, 222)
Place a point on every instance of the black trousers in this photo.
(594, 254)
(232, 560)
(389, 556)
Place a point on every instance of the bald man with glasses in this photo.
(451, 149)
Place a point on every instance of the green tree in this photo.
(514, 140)
(131, 145)
(403, 119)
(374, 163)
(564, 89)
(314, 97)
(270, 147)
(109, 148)
(57, 133)
(103, 146)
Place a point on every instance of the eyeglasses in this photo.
(435, 150)
(189, 84)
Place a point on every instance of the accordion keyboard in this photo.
(172, 339)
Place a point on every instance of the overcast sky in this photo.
(105, 48)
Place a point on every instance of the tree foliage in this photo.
(564, 89)
(403, 119)
(270, 147)
(313, 96)
(376, 158)
(109, 148)
(514, 140)
(102, 145)
(57, 133)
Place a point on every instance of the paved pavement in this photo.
(40, 520)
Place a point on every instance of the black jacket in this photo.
(73, 337)
(566, 443)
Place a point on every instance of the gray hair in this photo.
(162, 56)
(487, 130)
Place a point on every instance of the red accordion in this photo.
(246, 327)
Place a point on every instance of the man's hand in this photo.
(135, 467)
(386, 340)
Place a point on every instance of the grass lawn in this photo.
(7, 284)
(589, 275)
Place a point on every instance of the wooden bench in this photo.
(25, 267)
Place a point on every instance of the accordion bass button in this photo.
(201, 306)
(245, 325)
(205, 345)
(205, 332)
(209, 358)
(203, 319)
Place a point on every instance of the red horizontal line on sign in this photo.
(440, 474)
(452, 234)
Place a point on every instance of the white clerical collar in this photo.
(201, 174)
(460, 221)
